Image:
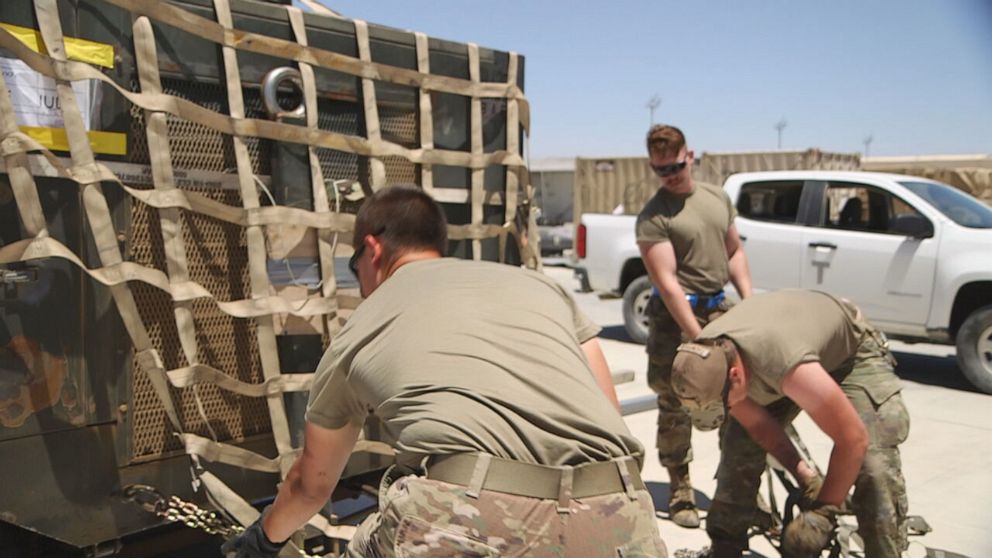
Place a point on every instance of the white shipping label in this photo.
(35, 97)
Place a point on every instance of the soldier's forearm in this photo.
(674, 299)
(845, 462)
(740, 273)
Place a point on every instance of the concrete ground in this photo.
(947, 460)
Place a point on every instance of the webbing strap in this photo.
(372, 129)
(426, 113)
(233, 455)
(95, 205)
(845, 533)
(623, 465)
(325, 244)
(257, 271)
(157, 133)
(17, 142)
(204, 374)
(512, 145)
(117, 275)
(479, 473)
(565, 490)
(204, 28)
(228, 499)
(478, 174)
(245, 514)
(16, 164)
(277, 131)
(20, 143)
(319, 8)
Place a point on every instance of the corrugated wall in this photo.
(601, 184)
(716, 167)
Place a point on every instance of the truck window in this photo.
(859, 207)
(775, 201)
(955, 204)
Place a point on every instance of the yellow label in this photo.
(107, 143)
(82, 50)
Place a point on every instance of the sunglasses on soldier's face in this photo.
(665, 171)
(353, 261)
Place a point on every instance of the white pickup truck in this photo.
(914, 254)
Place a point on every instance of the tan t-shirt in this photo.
(777, 331)
(696, 224)
(457, 356)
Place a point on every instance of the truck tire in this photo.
(635, 309)
(974, 341)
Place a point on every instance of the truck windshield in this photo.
(955, 204)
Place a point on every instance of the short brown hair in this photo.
(404, 218)
(664, 140)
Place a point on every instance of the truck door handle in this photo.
(742, 237)
(829, 245)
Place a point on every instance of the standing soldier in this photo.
(497, 397)
(770, 357)
(690, 248)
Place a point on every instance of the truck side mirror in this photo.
(914, 225)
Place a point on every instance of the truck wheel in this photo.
(974, 342)
(635, 309)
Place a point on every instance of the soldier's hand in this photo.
(251, 543)
(809, 532)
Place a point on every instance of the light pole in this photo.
(653, 103)
(867, 141)
(780, 125)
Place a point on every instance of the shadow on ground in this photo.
(932, 370)
(615, 333)
(659, 493)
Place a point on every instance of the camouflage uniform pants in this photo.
(664, 336)
(879, 499)
(427, 518)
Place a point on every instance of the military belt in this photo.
(485, 472)
(699, 301)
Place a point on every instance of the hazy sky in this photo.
(914, 74)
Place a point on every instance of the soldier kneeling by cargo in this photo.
(494, 389)
(770, 357)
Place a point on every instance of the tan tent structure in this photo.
(603, 184)
(970, 173)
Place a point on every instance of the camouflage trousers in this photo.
(674, 439)
(879, 500)
(432, 519)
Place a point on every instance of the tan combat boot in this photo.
(682, 500)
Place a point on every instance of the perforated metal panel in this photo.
(195, 146)
(399, 125)
(218, 260)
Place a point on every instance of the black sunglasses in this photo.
(353, 260)
(668, 170)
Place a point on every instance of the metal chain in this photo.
(686, 553)
(189, 514)
(177, 510)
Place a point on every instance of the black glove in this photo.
(809, 532)
(251, 543)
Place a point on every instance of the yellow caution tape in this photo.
(82, 50)
(107, 143)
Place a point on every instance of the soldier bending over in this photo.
(491, 384)
(768, 358)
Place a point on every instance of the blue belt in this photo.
(708, 302)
